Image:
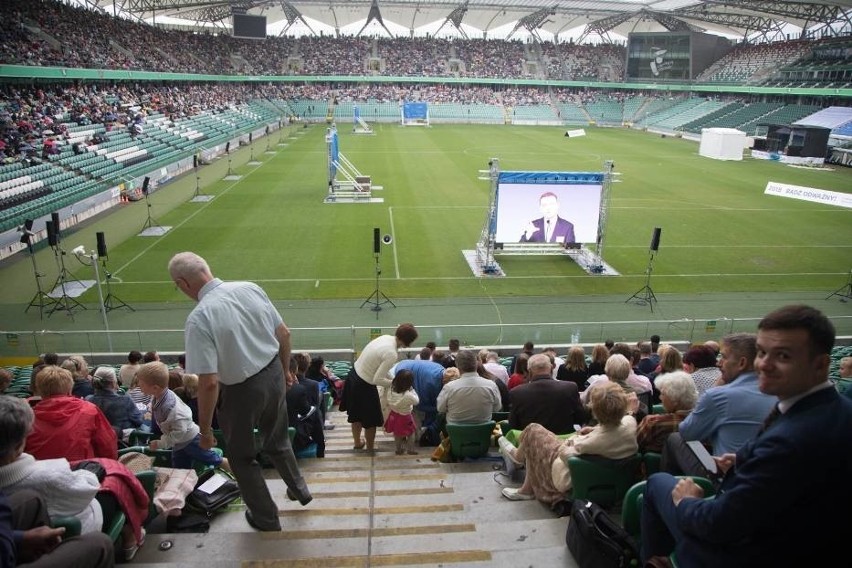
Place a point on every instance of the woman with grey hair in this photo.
(66, 492)
(119, 409)
(678, 396)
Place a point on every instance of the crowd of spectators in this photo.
(56, 34)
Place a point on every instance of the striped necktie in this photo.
(770, 419)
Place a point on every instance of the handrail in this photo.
(349, 340)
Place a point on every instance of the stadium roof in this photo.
(581, 20)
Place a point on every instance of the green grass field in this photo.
(720, 233)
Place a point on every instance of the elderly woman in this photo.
(119, 409)
(617, 370)
(66, 426)
(545, 455)
(678, 396)
(66, 493)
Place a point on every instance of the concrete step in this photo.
(379, 510)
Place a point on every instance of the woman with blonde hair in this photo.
(574, 369)
(544, 454)
(66, 426)
(79, 369)
(600, 354)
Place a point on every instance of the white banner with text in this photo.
(809, 194)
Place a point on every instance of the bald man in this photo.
(237, 344)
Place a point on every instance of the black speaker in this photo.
(52, 240)
(250, 138)
(145, 183)
(377, 241)
(228, 148)
(655, 239)
(56, 227)
(102, 248)
(195, 160)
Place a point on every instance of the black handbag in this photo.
(211, 503)
(597, 541)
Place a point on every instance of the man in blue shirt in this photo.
(725, 417)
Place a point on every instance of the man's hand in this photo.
(725, 462)
(153, 445)
(39, 541)
(530, 229)
(686, 487)
(208, 440)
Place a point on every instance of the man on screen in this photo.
(550, 227)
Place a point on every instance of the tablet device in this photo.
(703, 455)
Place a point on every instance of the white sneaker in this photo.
(507, 450)
(513, 494)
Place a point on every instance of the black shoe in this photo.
(252, 524)
(292, 497)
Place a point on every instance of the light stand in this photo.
(845, 291)
(377, 299)
(80, 253)
(64, 302)
(645, 296)
(40, 299)
(111, 302)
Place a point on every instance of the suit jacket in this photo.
(563, 232)
(553, 404)
(774, 505)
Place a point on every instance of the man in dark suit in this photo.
(553, 404)
(778, 490)
(550, 227)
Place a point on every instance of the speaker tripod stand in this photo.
(378, 298)
(645, 295)
(845, 291)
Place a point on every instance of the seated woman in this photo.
(79, 369)
(119, 409)
(66, 426)
(545, 455)
(66, 493)
(128, 370)
(678, 396)
(617, 370)
(322, 374)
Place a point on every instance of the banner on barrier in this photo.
(809, 194)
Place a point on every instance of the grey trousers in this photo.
(259, 403)
(91, 550)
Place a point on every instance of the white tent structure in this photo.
(722, 143)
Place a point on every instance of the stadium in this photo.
(375, 162)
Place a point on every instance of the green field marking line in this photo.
(186, 219)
